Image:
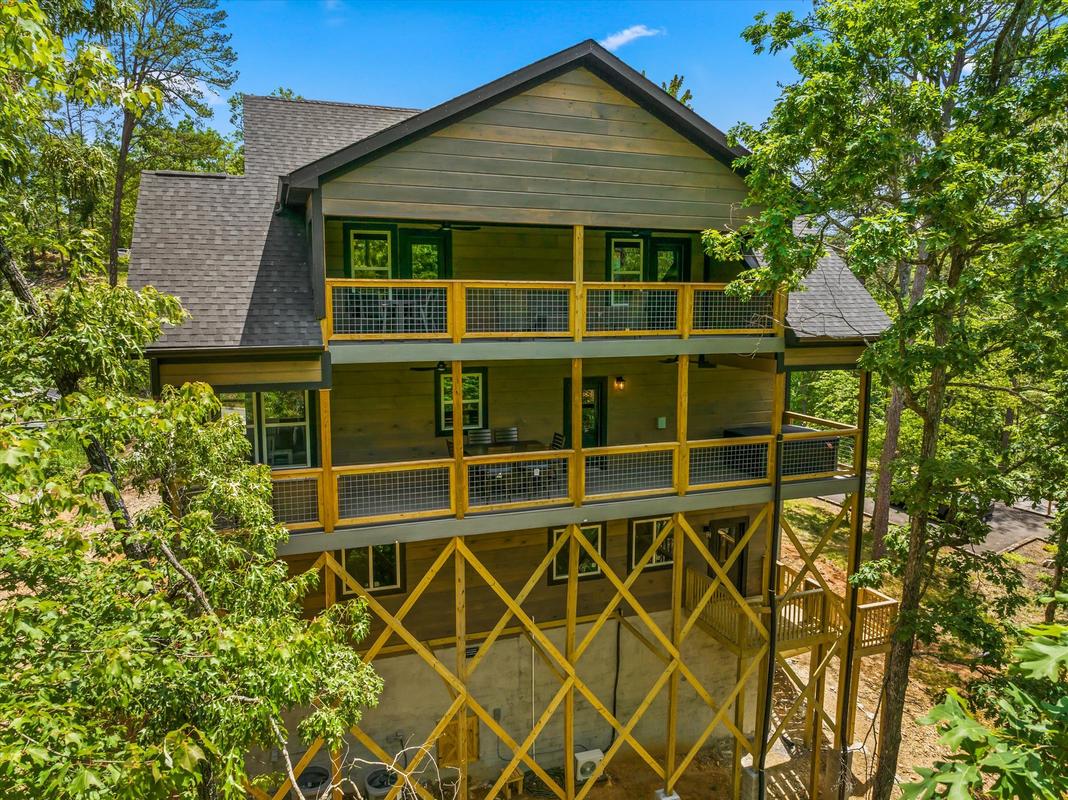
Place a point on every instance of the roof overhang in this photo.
(295, 186)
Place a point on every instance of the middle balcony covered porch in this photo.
(648, 427)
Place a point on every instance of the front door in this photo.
(594, 416)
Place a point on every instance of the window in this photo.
(376, 568)
(723, 536)
(642, 534)
(370, 253)
(626, 259)
(286, 435)
(670, 259)
(587, 567)
(424, 254)
(243, 405)
(474, 413)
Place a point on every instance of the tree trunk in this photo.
(128, 122)
(880, 518)
(1060, 560)
(896, 680)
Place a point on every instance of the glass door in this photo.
(424, 254)
(594, 411)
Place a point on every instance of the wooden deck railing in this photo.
(829, 449)
(805, 617)
(372, 310)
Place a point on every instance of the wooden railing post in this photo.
(682, 419)
(458, 437)
(327, 486)
(578, 462)
(457, 316)
(578, 295)
(328, 319)
(685, 310)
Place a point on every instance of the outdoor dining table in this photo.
(500, 448)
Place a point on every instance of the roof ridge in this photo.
(329, 103)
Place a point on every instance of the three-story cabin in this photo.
(510, 405)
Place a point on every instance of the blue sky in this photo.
(417, 54)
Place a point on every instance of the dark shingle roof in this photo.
(239, 268)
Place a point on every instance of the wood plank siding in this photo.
(242, 373)
(511, 557)
(382, 414)
(572, 150)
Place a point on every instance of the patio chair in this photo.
(506, 434)
(480, 436)
(558, 441)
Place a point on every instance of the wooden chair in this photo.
(506, 434)
(558, 441)
(480, 436)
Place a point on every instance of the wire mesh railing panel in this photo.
(625, 310)
(727, 463)
(715, 310)
(531, 310)
(390, 310)
(295, 500)
(395, 492)
(816, 456)
(629, 472)
(532, 480)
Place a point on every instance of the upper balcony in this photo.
(415, 285)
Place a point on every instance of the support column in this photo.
(459, 489)
(327, 487)
(578, 297)
(578, 462)
(682, 424)
(329, 598)
(678, 547)
(461, 664)
(569, 654)
(739, 722)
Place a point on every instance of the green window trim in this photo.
(403, 263)
(588, 568)
(351, 229)
(648, 528)
(258, 428)
(411, 266)
(651, 246)
(443, 398)
(363, 566)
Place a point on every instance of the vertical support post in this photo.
(685, 310)
(739, 723)
(847, 679)
(458, 437)
(814, 728)
(569, 653)
(682, 424)
(779, 386)
(578, 463)
(678, 547)
(578, 296)
(461, 666)
(457, 316)
(329, 598)
(327, 487)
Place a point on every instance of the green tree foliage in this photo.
(1012, 740)
(179, 49)
(142, 652)
(923, 140)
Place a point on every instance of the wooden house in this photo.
(580, 577)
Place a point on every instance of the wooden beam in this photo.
(578, 294)
(461, 669)
(678, 547)
(327, 486)
(682, 420)
(578, 463)
(572, 533)
(458, 437)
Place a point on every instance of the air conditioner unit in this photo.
(586, 762)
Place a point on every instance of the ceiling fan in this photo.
(702, 361)
(452, 226)
(439, 368)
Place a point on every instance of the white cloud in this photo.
(614, 41)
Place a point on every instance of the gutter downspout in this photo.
(853, 596)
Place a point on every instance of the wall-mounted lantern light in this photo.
(621, 383)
